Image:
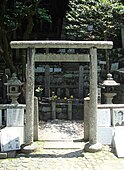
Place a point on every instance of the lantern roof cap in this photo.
(13, 81)
(110, 81)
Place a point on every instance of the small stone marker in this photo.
(105, 135)
(119, 141)
(15, 117)
(0, 117)
(104, 117)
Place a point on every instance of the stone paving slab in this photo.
(113, 165)
(59, 159)
(63, 145)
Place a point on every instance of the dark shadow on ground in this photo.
(74, 154)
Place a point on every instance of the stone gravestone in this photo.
(15, 117)
(119, 141)
(0, 117)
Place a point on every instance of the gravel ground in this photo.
(61, 130)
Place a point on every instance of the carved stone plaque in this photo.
(15, 117)
(104, 117)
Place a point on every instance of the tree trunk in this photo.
(6, 51)
(106, 54)
(26, 37)
(5, 47)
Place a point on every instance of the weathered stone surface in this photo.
(15, 117)
(81, 82)
(93, 147)
(47, 81)
(93, 97)
(30, 97)
(0, 117)
(86, 118)
(62, 58)
(62, 44)
(36, 118)
(11, 154)
(3, 155)
(29, 148)
(12, 106)
(122, 35)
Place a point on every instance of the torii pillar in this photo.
(29, 96)
(93, 145)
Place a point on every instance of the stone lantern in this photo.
(13, 88)
(109, 88)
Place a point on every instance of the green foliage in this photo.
(13, 16)
(18, 18)
(106, 17)
(42, 14)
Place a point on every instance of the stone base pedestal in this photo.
(92, 147)
(29, 148)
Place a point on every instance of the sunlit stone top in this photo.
(62, 44)
(110, 81)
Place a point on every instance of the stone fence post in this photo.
(69, 109)
(86, 118)
(53, 109)
(36, 118)
(122, 35)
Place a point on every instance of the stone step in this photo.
(63, 145)
(3, 155)
(9, 154)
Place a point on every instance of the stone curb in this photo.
(10, 154)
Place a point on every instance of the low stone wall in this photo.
(62, 110)
(109, 118)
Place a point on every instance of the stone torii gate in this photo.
(92, 46)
